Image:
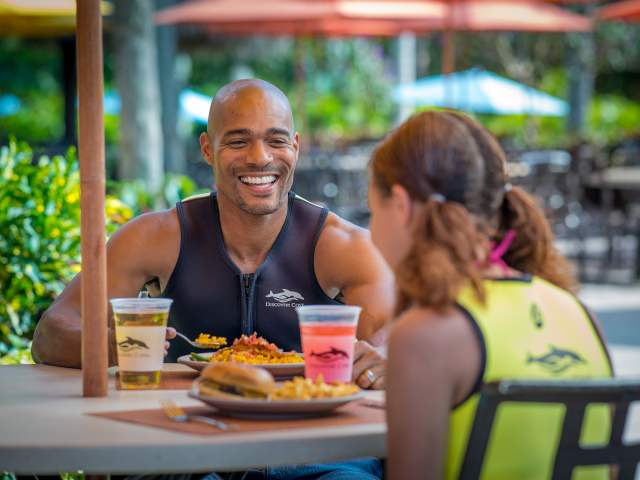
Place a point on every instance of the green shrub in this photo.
(134, 193)
(40, 240)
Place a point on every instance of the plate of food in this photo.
(251, 350)
(249, 391)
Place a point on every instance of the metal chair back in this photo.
(576, 396)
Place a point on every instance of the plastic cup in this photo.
(141, 325)
(328, 333)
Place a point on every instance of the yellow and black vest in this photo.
(530, 329)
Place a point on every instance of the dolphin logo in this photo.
(330, 355)
(285, 296)
(132, 344)
(557, 360)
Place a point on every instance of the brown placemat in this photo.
(356, 413)
(171, 380)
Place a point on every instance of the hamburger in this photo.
(233, 380)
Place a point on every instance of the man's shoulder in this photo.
(339, 229)
(339, 235)
(153, 226)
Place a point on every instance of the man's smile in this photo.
(259, 184)
(258, 179)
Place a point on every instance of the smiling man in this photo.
(242, 258)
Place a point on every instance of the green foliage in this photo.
(31, 70)
(611, 118)
(346, 93)
(40, 242)
(340, 90)
(133, 194)
(17, 357)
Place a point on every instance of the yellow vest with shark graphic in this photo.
(531, 329)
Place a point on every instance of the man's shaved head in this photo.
(255, 91)
(252, 147)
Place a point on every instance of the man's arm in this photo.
(144, 249)
(346, 259)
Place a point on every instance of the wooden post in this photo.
(92, 186)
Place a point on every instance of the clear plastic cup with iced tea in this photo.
(141, 325)
(328, 333)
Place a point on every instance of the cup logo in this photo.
(331, 355)
(131, 344)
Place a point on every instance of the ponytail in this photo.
(532, 250)
(442, 258)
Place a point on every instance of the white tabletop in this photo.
(44, 429)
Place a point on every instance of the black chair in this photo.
(575, 395)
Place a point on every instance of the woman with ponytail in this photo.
(483, 295)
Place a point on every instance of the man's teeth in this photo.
(258, 180)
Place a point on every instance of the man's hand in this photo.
(170, 333)
(369, 365)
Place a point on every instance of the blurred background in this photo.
(558, 82)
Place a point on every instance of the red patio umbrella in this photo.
(628, 11)
(374, 17)
(384, 15)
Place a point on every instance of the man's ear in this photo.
(402, 204)
(296, 143)
(206, 148)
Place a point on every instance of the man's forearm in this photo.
(58, 341)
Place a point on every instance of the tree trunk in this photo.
(581, 67)
(141, 152)
(174, 154)
(406, 72)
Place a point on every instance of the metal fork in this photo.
(198, 345)
(177, 414)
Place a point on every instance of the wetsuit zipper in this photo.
(247, 283)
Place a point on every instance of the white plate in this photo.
(252, 408)
(276, 369)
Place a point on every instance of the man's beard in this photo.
(260, 209)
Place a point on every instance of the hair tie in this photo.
(437, 197)
(508, 187)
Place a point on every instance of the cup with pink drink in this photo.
(328, 333)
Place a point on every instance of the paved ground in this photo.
(618, 309)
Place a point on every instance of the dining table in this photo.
(47, 427)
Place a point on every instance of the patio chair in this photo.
(576, 396)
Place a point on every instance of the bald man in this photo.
(240, 259)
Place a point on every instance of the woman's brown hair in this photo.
(456, 170)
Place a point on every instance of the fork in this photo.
(196, 344)
(177, 414)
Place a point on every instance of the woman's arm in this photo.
(434, 362)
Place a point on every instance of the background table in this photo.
(44, 429)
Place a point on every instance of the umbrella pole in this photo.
(92, 185)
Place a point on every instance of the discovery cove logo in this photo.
(285, 298)
(131, 344)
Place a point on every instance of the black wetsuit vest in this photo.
(211, 295)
